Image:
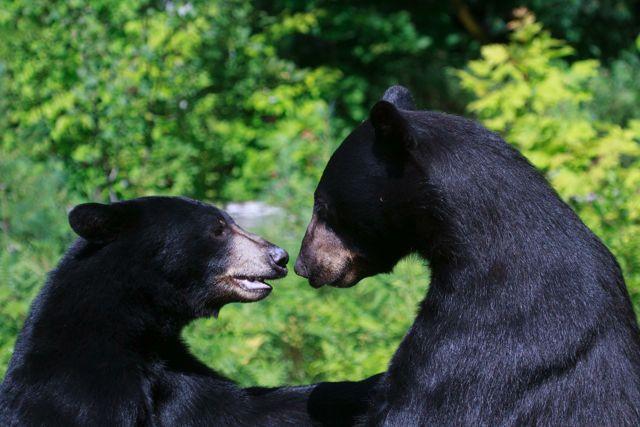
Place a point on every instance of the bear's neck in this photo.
(113, 296)
(513, 269)
(504, 257)
(499, 240)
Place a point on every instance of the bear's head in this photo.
(363, 215)
(201, 258)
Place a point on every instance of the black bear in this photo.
(102, 346)
(527, 320)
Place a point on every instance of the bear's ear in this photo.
(96, 222)
(400, 97)
(391, 127)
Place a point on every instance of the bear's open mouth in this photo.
(252, 284)
(250, 288)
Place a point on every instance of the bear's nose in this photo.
(300, 268)
(279, 256)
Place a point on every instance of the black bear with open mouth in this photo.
(102, 346)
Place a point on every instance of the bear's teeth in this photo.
(250, 284)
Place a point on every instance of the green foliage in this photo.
(376, 43)
(617, 88)
(33, 234)
(588, 25)
(187, 98)
(529, 93)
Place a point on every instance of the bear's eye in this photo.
(219, 228)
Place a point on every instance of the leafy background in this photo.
(235, 100)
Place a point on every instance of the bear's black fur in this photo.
(102, 346)
(527, 320)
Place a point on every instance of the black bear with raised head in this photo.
(527, 320)
(102, 346)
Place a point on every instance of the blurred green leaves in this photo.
(183, 97)
(33, 235)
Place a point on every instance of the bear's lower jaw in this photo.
(345, 279)
(252, 284)
(250, 289)
(345, 283)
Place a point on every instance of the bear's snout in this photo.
(324, 257)
(300, 268)
(279, 256)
